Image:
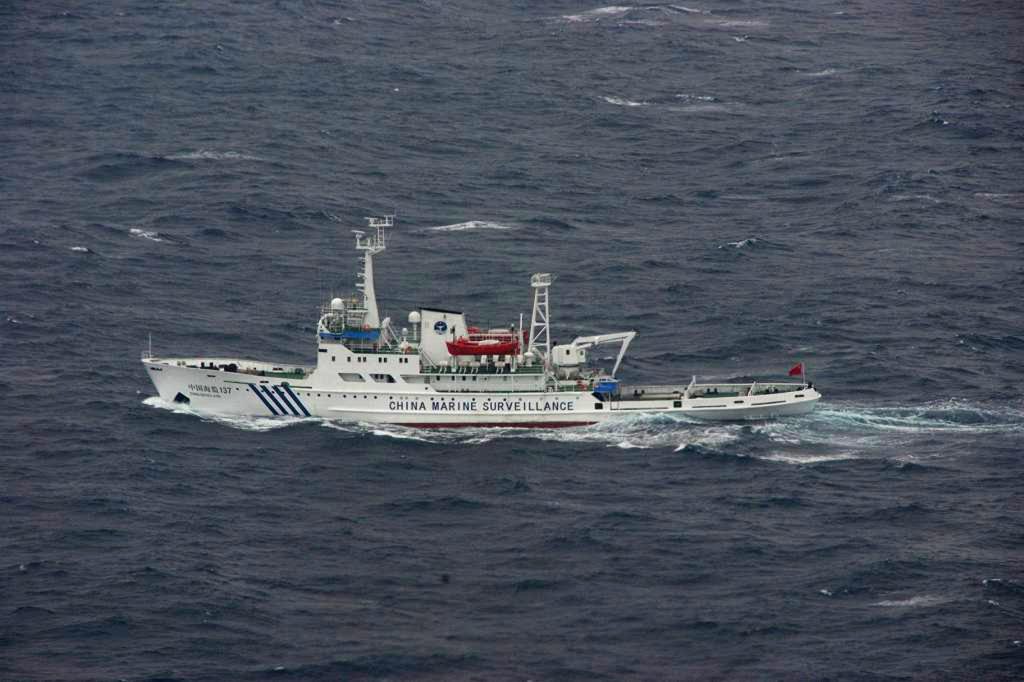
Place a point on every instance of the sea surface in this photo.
(746, 184)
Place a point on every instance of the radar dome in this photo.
(414, 317)
(337, 304)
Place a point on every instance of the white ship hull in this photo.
(214, 391)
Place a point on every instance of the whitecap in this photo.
(599, 13)
(743, 23)
(999, 196)
(923, 600)
(699, 98)
(821, 74)
(152, 236)
(808, 459)
(742, 243)
(81, 249)
(689, 10)
(915, 197)
(470, 225)
(211, 155)
(621, 102)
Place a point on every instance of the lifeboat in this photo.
(493, 342)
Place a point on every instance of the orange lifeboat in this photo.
(493, 342)
(467, 346)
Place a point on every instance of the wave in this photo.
(743, 23)
(688, 10)
(749, 241)
(144, 234)
(599, 13)
(211, 155)
(822, 74)
(948, 415)
(923, 600)
(621, 102)
(242, 423)
(915, 197)
(471, 225)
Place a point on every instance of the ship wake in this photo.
(836, 432)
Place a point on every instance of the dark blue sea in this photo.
(746, 184)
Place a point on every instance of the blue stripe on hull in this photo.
(296, 399)
(273, 399)
(280, 393)
(256, 390)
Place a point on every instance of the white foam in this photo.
(699, 98)
(700, 108)
(81, 249)
(749, 241)
(243, 423)
(621, 102)
(152, 236)
(915, 197)
(599, 13)
(808, 459)
(931, 417)
(923, 600)
(212, 155)
(743, 23)
(999, 196)
(398, 433)
(471, 225)
(822, 74)
(690, 10)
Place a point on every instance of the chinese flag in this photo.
(797, 370)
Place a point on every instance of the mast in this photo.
(540, 332)
(371, 246)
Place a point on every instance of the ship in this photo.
(438, 371)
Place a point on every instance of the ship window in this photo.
(322, 350)
(598, 406)
(351, 376)
(348, 359)
(333, 358)
(677, 403)
(383, 378)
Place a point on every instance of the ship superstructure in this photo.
(440, 371)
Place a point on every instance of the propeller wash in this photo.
(442, 372)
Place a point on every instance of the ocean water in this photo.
(745, 184)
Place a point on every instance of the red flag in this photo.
(797, 370)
